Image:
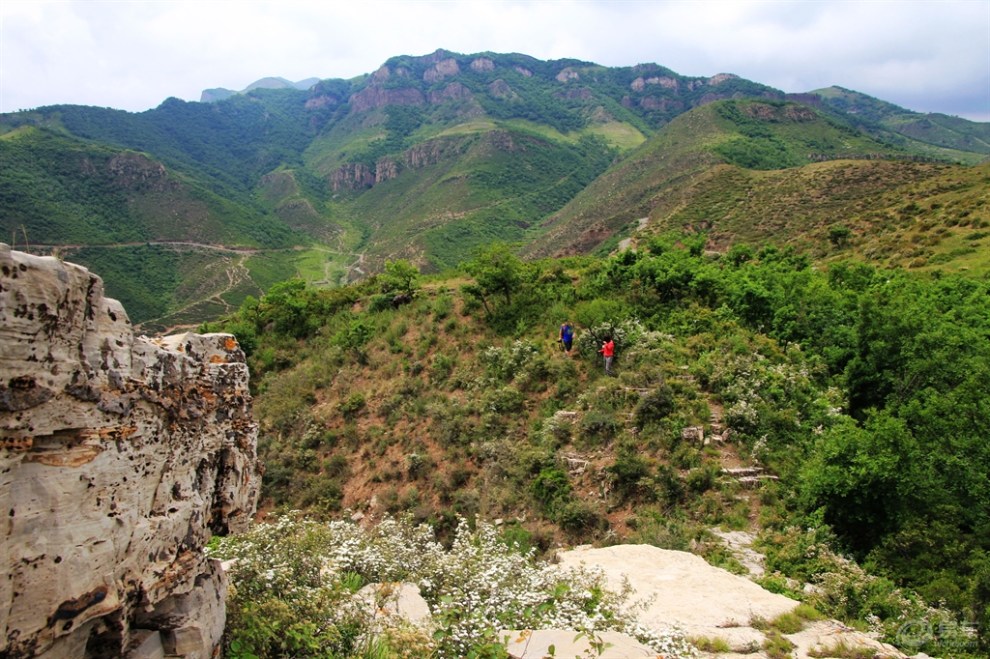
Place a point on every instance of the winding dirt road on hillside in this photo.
(163, 243)
(229, 273)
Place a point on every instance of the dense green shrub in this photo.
(551, 488)
(629, 474)
(655, 405)
(598, 426)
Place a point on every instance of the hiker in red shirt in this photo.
(608, 351)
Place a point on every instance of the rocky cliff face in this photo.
(119, 456)
(357, 176)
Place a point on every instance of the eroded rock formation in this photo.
(119, 456)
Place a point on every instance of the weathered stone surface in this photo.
(536, 644)
(681, 589)
(442, 69)
(673, 589)
(482, 65)
(455, 91)
(147, 644)
(500, 89)
(392, 603)
(824, 637)
(740, 543)
(352, 176)
(693, 434)
(376, 96)
(119, 456)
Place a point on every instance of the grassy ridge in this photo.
(775, 193)
(45, 192)
(62, 190)
(485, 187)
(935, 215)
(936, 132)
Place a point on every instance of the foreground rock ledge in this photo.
(680, 590)
(119, 457)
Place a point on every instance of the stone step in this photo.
(752, 482)
(741, 472)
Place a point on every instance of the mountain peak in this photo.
(271, 82)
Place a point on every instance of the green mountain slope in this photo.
(903, 214)
(850, 393)
(63, 191)
(662, 174)
(427, 158)
(153, 232)
(888, 120)
(483, 187)
(758, 172)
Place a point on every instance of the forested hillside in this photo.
(430, 157)
(797, 288)
(853, 395)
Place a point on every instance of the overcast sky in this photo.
(924, 55)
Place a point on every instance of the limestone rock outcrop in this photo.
(674, 589)
(120, 455)
(540, 643)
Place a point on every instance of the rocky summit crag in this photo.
(120, 455)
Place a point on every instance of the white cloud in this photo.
(923, 54)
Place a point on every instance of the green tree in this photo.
(496, 270)
(354, 337)
(865, 479)
(839, 235)
(400, 277)
(288, 309)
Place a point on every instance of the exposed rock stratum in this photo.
(120, 455)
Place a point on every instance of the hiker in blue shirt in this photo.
(566, 338)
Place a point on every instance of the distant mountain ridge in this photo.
(219, 93)
(876, 116)
(426, 158)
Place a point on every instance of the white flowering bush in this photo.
(625, 334)
(503, 364)
(293, 583)
(558, 428)
(776, 401)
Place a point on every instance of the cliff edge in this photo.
(120, 455)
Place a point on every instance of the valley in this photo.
(429, 158)
(797, 286)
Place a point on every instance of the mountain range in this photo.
(219, 93)
(189, 208)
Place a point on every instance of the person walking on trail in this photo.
(566, 337)
(608, 352)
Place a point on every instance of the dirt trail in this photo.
(626, 243)
(235, 272)
(162, 243)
